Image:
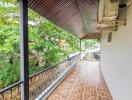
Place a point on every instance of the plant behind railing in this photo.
(37, 82)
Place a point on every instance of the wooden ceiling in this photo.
(75, 16)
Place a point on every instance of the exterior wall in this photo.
(116, 60)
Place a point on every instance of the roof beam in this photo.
(92, 36)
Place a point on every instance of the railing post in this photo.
(80, 48)
(24, 49)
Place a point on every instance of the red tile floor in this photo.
(84, 82)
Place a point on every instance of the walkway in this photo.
(84, 82)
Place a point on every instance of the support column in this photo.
(24, 49)
(80, 48)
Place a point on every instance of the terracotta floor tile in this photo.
(84, 82)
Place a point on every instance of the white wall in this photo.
(116, 60)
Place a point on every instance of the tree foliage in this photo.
(89, 43)
(48, 43)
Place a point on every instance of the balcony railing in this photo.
(41, 83)
(12, 92)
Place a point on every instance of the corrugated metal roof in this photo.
(76, 16)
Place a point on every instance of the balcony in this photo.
(84, 82)
(72, 79)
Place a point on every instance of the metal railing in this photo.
(59, 78)
(43, 79)
(38, 82)
(11, 92)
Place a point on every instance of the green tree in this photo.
(46, 42)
